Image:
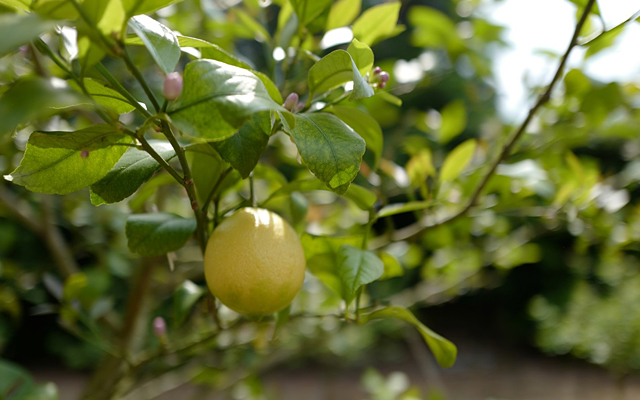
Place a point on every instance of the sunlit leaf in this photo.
(161, 42)
(457, 160)
(376, 22)
(342, 13)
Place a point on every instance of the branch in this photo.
(419, 227)
(604, 32)
(215, 188)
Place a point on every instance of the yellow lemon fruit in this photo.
(254, 262)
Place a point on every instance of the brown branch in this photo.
(418, 228)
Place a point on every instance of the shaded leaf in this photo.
(159, 233)
(400, 208)
(363, 198)
(130, 172)
(454, 120)
(357, 267)
(243, 150)
(444, 351)
(364, 125)
(184, 298)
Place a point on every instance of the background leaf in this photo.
(454, 120)
(158, 233)
(30, 98)
(376, 23)
(444, 351)
(308, 10)
(104, 95)
(63, 162)
(342, 13)
(457, 160)
(184, 298)
(363, 198)
(16, 30)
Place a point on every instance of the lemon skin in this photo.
(254, 262)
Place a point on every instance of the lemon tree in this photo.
(205, 121)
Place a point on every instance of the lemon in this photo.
(254, 262)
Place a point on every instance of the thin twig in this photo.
(136, 73)
(215, 188)
(419, 227)
(605, 32)
(120, 89)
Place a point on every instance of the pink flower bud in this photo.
(377, 70)
(382, 85)
(172, 86)
(160, 327)
(291, 102)
(384, 77)
(299, 107)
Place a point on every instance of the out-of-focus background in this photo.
(539, 287)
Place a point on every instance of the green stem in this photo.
(252, 194)
(189, 186)
(136, 73)
(120, 89)
(147, 147)
(214, 190)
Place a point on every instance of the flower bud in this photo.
(382, 85)
(377, 70)
(160, 327)
(384, 77)
(172, 86)
(291, 103)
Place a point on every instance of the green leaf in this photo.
(432, 28)
(389, 98)
(335, 69)
(603, 41)
(457, 160)
(159, 233)
(63, 162)
(244, 149)
(363, 198)
(130, 172)
(444, 351)
(364, 125)
(104, 95)
(21, 5)
(214, 52)
(392, 267)
(330, 149)
(30, 98)
(357, 267)
(161, 42)
(15, 380)
(108, 15)
(218, 99)
(17, 30)
(454, 120)
(259, 31)
(89, 53)
(135, 7)
(146, 191)
(322, 257)
(282, 317)
(400, 208)
(185, 296)
(376, 23)
(342, 13)
(362, 55)
(308, 10)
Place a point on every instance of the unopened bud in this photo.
(377, 70)
(291, 102)
(382, 85)
(384, 77)
(172, 86)
(300, 107)
(160, 327)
